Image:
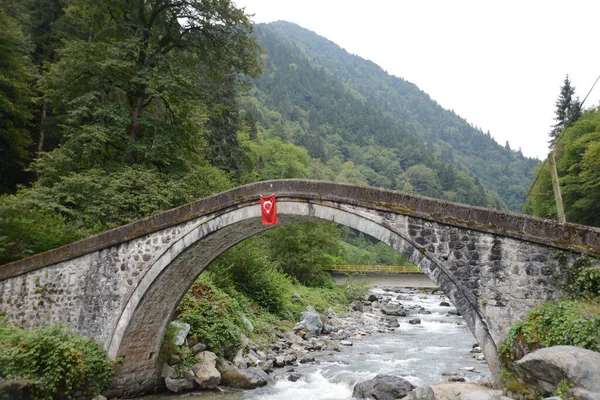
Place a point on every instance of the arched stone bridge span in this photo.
(122, 287)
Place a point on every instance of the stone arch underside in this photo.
(142, 324)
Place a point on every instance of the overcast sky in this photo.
(498, 64)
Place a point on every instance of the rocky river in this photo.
(424, 341)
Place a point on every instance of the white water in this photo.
(418, 353)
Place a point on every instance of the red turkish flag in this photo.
(268, 210)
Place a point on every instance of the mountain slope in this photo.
(343, 108)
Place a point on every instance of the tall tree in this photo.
(568, 110)
(135, 78)
(16, 99)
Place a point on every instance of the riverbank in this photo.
(406, 332)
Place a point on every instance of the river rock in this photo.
(582, 394)
(290, 359)
(466, 391)
(415, 321)
(346, 343)
(291, 337)
(181, 330)
(372, 298)
(198, 348)
(445, 304)
(206, 374)
(421, 393)
(294, 376)
(382, 387)
(393, 309)
(279, 362)
(168, 371)
(268, 366)
(393, 323)
(547, 367)
(252, 359)
(311, 321)
(327, 329)
(178, 385)
(238, 360)
(357, 306)
(307, 359)
(248, 378)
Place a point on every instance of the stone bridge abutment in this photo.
(122, 287)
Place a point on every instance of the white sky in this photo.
(498, 64)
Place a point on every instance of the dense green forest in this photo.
(111, 113)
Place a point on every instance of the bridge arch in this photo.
(111, 287)
(143, 322)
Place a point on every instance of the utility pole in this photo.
(560, 210)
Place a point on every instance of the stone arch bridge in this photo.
(122, 287)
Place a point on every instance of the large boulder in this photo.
(311, 321)
(393, 309)
(178, 385)
(205, 372)
(383, 387)
(547, 367)
(248, 378)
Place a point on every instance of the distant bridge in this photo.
(382, 275)
(122, 287)
(376, 269)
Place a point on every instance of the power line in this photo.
(560, 137)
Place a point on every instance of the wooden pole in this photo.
(560, 210)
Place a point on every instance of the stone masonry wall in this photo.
(87, 293)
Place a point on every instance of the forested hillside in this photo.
(372, 128)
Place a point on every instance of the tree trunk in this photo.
(42, 131)
(136, 112)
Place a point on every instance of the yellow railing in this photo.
(387, 269)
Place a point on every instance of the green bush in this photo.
(59, 361)
(215, 317)
(245, 269)
(565, 322)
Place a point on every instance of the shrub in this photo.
(245, 270)
(213, 315)
(59, 361)
(565, 322)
